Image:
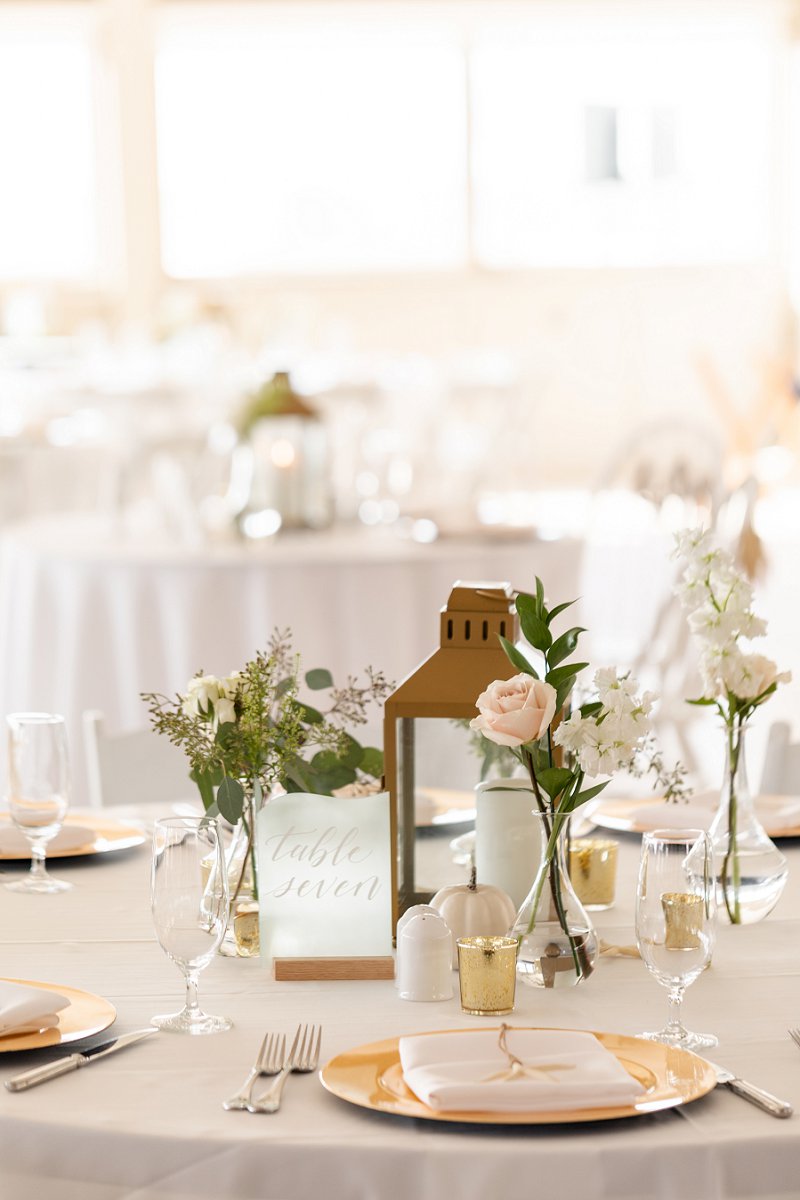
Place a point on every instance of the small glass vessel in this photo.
(749, 868)
(241, 938)
(557, 941)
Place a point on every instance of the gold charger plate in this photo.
(371, 1077)
(618, 816)
(103, 836)
(85, 1015)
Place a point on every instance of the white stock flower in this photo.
(607, 741)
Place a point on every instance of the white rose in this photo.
(203, 691)
(515, 711)
(225, 712)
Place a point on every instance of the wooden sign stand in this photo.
(376, 967)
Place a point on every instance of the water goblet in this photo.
(38, 790)
(675, 921)
(189, 899)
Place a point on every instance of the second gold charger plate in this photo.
(86, 1014)
(371, 1077)
(81, 833)
(620, 816)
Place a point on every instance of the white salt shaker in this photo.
(424, 959)
(415, 911)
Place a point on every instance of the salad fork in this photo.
(302, 1059)
(269, 1061)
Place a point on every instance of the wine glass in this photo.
(675, 920)
(38, 790)
(189, 899)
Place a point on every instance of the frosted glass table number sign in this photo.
(324, 876)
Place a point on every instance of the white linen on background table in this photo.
(147, 1124)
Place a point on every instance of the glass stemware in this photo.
(675, 921)
(38, 790)
(189, 899)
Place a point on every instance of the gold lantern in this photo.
(445, 686)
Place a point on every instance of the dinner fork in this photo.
(302, 1058)
(269, 1061)
(794, 1034)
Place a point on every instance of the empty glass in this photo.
(38, 790)
(189, 898)
(675, 920)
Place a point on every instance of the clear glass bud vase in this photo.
(557, 941)
(241, 935)
(749, 868)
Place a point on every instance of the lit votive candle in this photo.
(593, 871)
(487, 972)
(683, 916)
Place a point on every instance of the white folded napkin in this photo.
(697, 813)
(778, 812)
(26, 1009)
(453, 1072)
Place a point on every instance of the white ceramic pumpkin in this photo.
(474, 908)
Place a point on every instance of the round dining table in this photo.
(148, 1123)
(92, 615)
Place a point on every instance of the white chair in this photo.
(133, 768)
(781, 773)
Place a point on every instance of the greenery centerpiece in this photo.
(557, 943)
(718, 598)
(249, 733)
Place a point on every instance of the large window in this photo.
(315, 137)
(48, 201)
(306, 139)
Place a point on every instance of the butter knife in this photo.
(748, 1091)
(62, 1066)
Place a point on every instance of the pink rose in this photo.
(513, 711)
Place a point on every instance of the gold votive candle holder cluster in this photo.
(487, 972)
(593, 871)
(245, 929)
(683, 918)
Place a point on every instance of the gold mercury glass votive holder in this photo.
(683, 917)
(487, 972)
(593, 871)
(245, 930)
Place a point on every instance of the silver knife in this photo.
(62, 1066)
(748, 1091)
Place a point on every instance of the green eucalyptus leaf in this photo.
(296, 775)
(311, 716)
(533, 625)
(351, 753)
(318, 679)
(702, 701)
(591, 709)
(564, 645)
(516, 657)
(559, 608)
(230, 799)
(334, 777)
(372, 762)
(324, 760)
(283, 687)
(554, 780)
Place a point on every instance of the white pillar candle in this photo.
(507, 836)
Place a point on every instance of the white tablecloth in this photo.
(90, 620)
(148, 1124)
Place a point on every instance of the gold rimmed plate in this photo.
(81, 833)
(85, 1015)
(371, 1077)
(778, 814)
